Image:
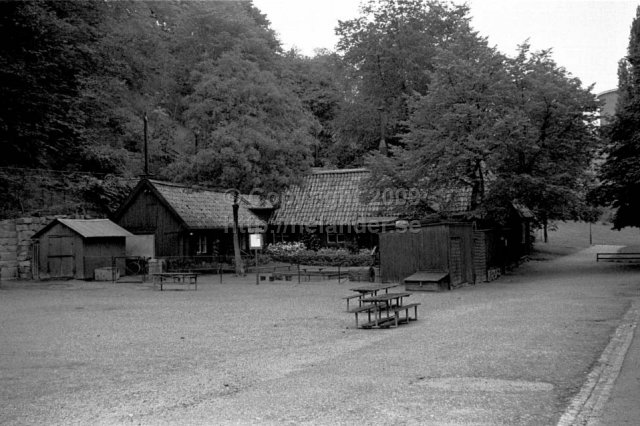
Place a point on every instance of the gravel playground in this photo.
(513, 351)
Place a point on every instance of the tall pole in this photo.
(146, 146)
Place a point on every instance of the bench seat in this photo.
(381, 322)
(398, 309)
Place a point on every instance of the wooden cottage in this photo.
(186, 221)
(73, 248)
(328, 205)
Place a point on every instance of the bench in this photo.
(184, 278)
(355, 296)
(273, 276)
(398, 309)
(384, 322)
(618, 257)
(368, 309)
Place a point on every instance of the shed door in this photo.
(457, 273)
(60, 259)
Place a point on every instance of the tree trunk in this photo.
(236, 238)
(544, 230)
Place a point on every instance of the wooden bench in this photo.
(183, 278)
(355, 296)
(381, 322)
(398, 309)
(368, 309)
(618, 257)
(273, 276)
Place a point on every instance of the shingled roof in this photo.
(201, 208)
(89, 228)
(326, 197)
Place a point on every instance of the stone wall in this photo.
(16, 246)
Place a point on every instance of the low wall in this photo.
(15, 246)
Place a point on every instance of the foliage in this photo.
(298, 254)
(45, 53)
(389, 52)
(620, 174)
(77, 78)
(255, 133)
(285, 249)
(517, 129)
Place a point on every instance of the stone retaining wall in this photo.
(16, 246)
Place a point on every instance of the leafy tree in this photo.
(389, 52)
(518, 129)
(256, 135)
(318, 82)
(46, 51)
(620, 174)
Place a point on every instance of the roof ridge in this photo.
(339, 171)
(164, 182)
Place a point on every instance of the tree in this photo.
(518, 129)
(389, 54)
(620, 173)
(46, 52)
(255, 133)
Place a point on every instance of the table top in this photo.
(374, 287)
(385, 297)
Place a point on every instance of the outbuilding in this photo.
(75, 248)
(440, 253)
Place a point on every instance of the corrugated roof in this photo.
(95, 228)
(326, 197)
(201, 208)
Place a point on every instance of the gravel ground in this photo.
(510, 352)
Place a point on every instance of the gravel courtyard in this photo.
(513, 351)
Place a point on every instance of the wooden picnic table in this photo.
(386, 300)
(368, 289)
(374, 288)
(183, 278)
(384, 304)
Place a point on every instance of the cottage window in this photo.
(202, 244)
(333, 238)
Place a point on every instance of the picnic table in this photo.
(182, 278)
(385, 309)
(371, 289)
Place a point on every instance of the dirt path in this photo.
(514, 351)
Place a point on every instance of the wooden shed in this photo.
(440, 249)
(185, 221)
(75, 248)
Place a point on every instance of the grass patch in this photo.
(570, 237)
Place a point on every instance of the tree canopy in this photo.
(620, 173)
(228, 108)
(506, 129)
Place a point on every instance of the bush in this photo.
(298, 254)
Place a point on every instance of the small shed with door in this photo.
(442, 251)
(75, 248)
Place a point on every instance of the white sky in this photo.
(588, 37)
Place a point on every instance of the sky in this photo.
(587, 37)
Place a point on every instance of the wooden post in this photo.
(146, 146)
